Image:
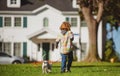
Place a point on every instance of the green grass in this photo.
(78, 69)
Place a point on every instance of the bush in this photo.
(109, 52)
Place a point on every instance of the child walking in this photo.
(65, 40)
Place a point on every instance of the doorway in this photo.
(45, 48)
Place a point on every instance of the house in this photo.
(28, 28)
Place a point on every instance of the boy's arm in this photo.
(57, 41)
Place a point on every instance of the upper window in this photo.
(45, 22)
(72, 20)
(17, 22)
(14, 22)
(83, 24)
(7, 21)
(13, 3)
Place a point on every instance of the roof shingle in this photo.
(30, 5)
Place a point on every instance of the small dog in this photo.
(46, 67)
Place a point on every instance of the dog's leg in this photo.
(43, 70)
(46, 70)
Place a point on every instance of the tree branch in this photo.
(100, 11)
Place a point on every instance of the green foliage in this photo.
(111, 20)
(112, 12)
(109, 44)
(109, 52)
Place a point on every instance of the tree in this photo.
(112, 12)
(90, 9)
(111, 15)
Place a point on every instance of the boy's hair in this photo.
(65, 26)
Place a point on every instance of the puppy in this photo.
(46, 67)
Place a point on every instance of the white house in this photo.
(29, 28)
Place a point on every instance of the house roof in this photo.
(30, 5)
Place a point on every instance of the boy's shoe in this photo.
(68, 71)
(63, 71)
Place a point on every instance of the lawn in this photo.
(78, 69)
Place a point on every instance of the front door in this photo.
(46, 48)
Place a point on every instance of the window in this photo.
(17, 22)
(45, 22)
(13, 2)
(7, 21)
(83, 45)
(83, 24)
(14, 22)
(17, 49)
(74, 22)
(83, 48)
(7, 47)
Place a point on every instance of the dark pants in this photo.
(66, 61)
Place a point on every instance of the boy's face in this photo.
(63, 32)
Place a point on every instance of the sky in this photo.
(115, 35)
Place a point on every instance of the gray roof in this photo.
(30, 5)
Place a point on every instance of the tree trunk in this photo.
(93, 49)
(92, 29)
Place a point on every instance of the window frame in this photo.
(13, 2)
(74, 22)
(8, 48)
(45, 22)
(17, 47)
(15, 22)
(83, 24)
(7, 23)
(69, 19)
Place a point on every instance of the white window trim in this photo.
(14, 22)
(17, 5)
(4, 22)
(20, 48)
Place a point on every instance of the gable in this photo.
(47, 35)
(44, 33)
